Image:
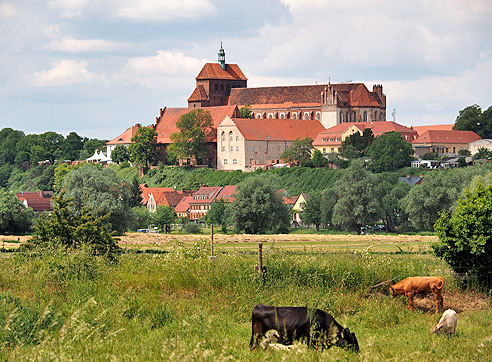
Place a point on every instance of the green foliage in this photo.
(356, 205)
(135, 193)
(299, 153)
(464, 152)
(15, 217)
(143, 149)
(355, 145)
(465, 235)
(318, 159)
(246, 111)
(430, 156)
(194, 128)
(101, 189)
(469, 119)
(483, 154)
(163, 215)
(259, 208)
(141, 218)
(71, 147)
(120, 154)
(389, 152)
(312, 210)
(63, 228)
(218, 214)
(192, 228)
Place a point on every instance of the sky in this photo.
(97, 67)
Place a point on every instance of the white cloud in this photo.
(69, 8)
(163, 10)
(65, 72)
(153, 70)
(72, 45)
(7, 10)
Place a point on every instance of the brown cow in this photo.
(419, 285)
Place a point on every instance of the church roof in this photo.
(125, 137)
(349, 94)
(199, 94)
(166, 124)
(215, 71)
(277, 129)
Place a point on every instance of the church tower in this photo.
(221, 55)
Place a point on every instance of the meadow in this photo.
(179, 305)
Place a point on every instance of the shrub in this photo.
(192, 228)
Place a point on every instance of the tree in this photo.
(8, 142)
(15, 217)
(143, 149)
(164, 215)
(101, 189)
(259, 208)
(120, 154)
(71, 147)
(218, 214)
(469, 119)
(465, 235)
(246, 112)
(65, 228)
(358, 142)
(135, 193)
(299, 153)
(141, 218)
(482, 154)
(195, 128)
(389, 152)
(356, 204)
(51, 142)
(389, 191)
(430, 156)
(464, 152)
(90, 146)
(318, 159)
(312, 210)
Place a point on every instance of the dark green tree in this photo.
(483, 154)
(469, 119)
(430, 156)
(143, 149)
(389, 152)
(318, 159)
(51, 143)
(312, 214)
(8, 142)
(101, 189)
(141, 218)
(65, 228)
(465, 235)
(90, 146)
(135, 193)
(71, 147)
(359, 142)
(299, 153)
(259, 208)
(163, 215)
(218, 214)
(195, 128)
(246, 111)
(120, 154)
(464, 152)
(356, 204)
(15, 217)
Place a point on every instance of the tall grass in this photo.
(183, 306)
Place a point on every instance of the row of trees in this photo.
(473, 119)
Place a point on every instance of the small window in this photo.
(324, 139)
(294, 115)
(282, 115)
(223, 148)
(324, 150)
(341, 117)
(225, 161)
(365, 116)
(232, 148)
(230, 136)
(237, 148)
(258, 115)
(223, 136)
(253, 148)
(278, 148)
(332, 149)
(234, 162)
(249, 149)
(216, 87)
(259, 149)
(237, 138)
(318, 116)
(306, 115)
(270, 116)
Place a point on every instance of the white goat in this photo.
(447, 324)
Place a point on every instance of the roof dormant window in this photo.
(282, 115)
(318, 116)
(324, 139)
(258, 115)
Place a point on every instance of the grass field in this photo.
(181, 306)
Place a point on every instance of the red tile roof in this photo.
(155, 191)
(125, 137)
(205, 195)
(277, 129)
(199, 94)
(437, 127)
(352, 94)
(184, 204)
(215, 71)
(37, 200)
(227, 193)
(449, 137)
(166, 124)
(378, 128)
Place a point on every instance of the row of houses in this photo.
(327, 113)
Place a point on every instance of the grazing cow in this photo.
(419, 285)
(328, 332)
(447, 323)
(291, 323)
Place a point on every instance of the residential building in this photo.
(412, 180)
(124, 139)
(39, 201)
(298, 208)
(474, 146)
(330, 140)
(443, 143)
(152, 197)
(182, 209)
(243, 142)
(202, 200)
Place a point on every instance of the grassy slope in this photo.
(181, 306)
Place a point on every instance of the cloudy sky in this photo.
(97, 67)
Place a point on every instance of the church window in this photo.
(216, 87)
(318, 116)
(222, 87)
(365, 116)
(223, 148)
(294, 115)
(237, 148)
(230, 136)
(282, 115)
(234, 162)
(341, 117)
(223, 136)
(375, 115)
(225, 161)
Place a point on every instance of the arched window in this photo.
(223, 148)
(318, 116)
(348, 116)
(258, 115)
(306, 115)
(341, 117)
(237, 148)
(230, 136)
(225, 161)
(365, 116)
(232, 148)
(375, 115)
(353, 116)
(294, 115)
(237, 138)
(223, 136)
(234, 162)
(270, 116)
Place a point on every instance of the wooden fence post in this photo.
(260, 270)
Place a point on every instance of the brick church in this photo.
(299, 111)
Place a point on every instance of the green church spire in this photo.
(222, 57)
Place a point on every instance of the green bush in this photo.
(192, 228)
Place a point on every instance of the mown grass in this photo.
(180, 306)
